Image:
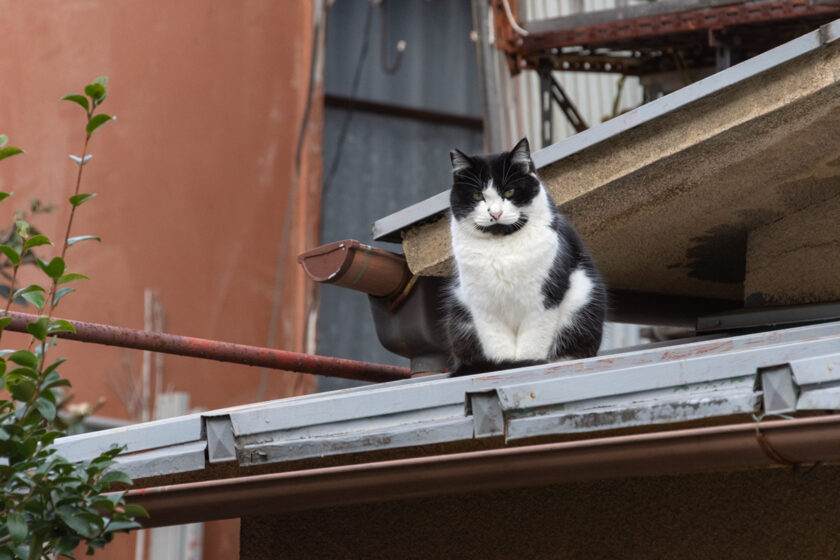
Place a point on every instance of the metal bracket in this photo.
(488, 417)
(779, 389)
(221, 446)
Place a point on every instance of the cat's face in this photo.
(494, 192)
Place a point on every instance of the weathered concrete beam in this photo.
(806, 245)
(668, 206)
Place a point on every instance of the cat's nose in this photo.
(495, 213)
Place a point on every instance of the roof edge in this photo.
(389, 227)
(686, 451)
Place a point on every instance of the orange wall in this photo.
(193, 179)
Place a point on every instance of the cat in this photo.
(525, 291)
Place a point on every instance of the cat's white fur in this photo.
(501, 278)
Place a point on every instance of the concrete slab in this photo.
(668, 206)
(805, 244)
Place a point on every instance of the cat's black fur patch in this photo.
(505, 174)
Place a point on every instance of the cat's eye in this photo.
(477, 196)
(509, 193)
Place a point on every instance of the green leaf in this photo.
(73, 240)
(5, 195)
(3, 140)
(70, 277)
(38, 328)
(11, 254)
(46, 408)
(24, 358)
(16, 524)
(50, 368)
(9, 152)
(54, 381)
(136, 510)
(72, 519)
(35, 298)
(96, 121)
(22, 228)
(54, 269)
(25, 371)
(20, 387)
(79, 160)
(36, 240)
(95, 91)
(60, 325)
(102, 503)
(76, 98)
(115, 526)
(28, 289)
(60, 294)
(115, 476)
(4, 322)
(79, 199)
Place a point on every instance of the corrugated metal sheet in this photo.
(438, 70)
(387, 161)
(592, 93)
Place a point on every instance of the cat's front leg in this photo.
(536, 336)
(498, 340)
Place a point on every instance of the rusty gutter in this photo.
(695, 450)
(110, 335)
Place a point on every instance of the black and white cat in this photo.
(525, 290)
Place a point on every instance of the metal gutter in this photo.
(388, 228)
(738, 446)
(777, 372)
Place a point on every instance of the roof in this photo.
(708, 380)
(389, 227)
(723, 190)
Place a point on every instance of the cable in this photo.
(512, 22)
(353, 91)
(383, 51)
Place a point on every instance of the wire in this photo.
(342, 136)
(383, 51)
(512, 22)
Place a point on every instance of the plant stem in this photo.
(11, 297)
(54, 286)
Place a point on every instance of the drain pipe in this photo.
(738, 446)
(405, 308)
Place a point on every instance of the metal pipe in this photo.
(685, 451)
(109, 335)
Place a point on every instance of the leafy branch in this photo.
(49, 505)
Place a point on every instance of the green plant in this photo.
(50, 505)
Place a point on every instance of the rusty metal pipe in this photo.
(109, 335)
(662, 453)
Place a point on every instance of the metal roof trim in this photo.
(388, 228)
(693, 380)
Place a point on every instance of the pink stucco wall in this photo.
(193, 179)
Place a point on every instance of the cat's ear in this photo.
(460, 161)
(521, 154)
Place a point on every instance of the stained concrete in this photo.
(668, 207)
(807, 245)
(768, 513)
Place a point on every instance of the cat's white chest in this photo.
(503, 276)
